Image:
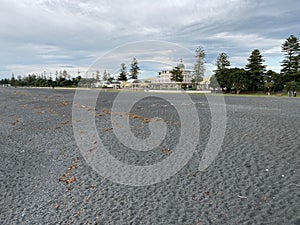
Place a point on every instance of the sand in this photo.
(45, 180)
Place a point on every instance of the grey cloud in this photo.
(60, 32)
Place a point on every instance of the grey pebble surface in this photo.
(253, 180)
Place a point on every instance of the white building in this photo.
(135, 83)
(165, 77)
(163, 81)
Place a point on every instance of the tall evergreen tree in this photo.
(97, 75)
(222, 61)
(256, 69)
(105, 76)
(65, 74)
(221, 75)
(123, 73)
(177, 74)
(199, 68)
(13, 81)
(134, 70)
(290, 65)
(109, 77)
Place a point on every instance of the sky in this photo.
(44, 36)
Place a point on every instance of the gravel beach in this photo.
(45, 180)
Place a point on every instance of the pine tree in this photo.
(199, 67)
(134, 70)
(256, 69)
(97, 75)
(109, 77)
(222, 61)
(177, 75)
(13, 80)
(221, 75)
(56, 75)
(291, 65)
(123, 73)
(105, 76)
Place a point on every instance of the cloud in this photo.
(48, 33)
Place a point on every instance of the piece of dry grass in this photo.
(66, 178)
(166, 151)
(64, 103)
(107, 129)
(16, 122)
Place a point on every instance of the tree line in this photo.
(255, 77)
(252, 78)
(62, 79)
